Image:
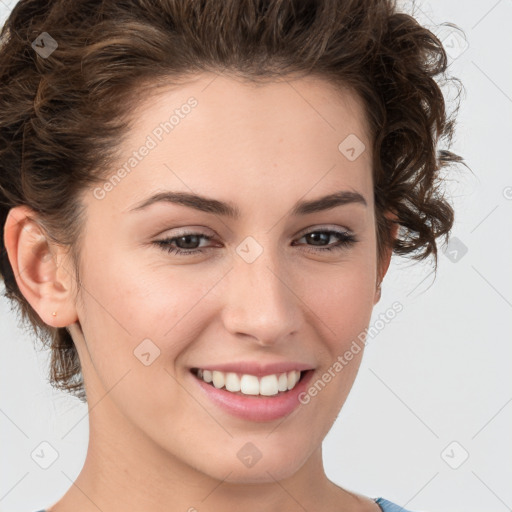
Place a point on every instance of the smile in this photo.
(246, 384)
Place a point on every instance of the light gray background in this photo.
(439, 373)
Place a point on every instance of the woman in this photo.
(199, 204)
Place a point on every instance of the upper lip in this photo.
(258, 369)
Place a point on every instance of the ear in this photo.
(385, 258)
(37, 264)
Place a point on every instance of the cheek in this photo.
(342, 297)
(136, 324)
(341, 300)
(138, 313)
(138, 300)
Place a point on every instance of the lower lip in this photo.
(256, 407)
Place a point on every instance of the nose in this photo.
(260, 301)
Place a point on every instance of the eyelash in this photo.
(346, 240)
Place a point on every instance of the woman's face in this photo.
(261, 291)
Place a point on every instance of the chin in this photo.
(265, 470)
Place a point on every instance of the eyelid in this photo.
(326, 227)
(193, 229)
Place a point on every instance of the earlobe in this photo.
(44, 284)
(378, 292)
(385, 260)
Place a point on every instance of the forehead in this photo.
(281, 138)
(261, 104)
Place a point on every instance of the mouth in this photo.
(256, 398)
(245, 384)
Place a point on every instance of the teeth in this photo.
(282, 382)
(249, 385)
(232, 382)
(267, 385)
(218, 379)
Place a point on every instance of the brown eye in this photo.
(187, 243)
(345, 239)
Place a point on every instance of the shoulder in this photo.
(389, 506)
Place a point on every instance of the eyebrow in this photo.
(227, 209)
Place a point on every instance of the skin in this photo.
(156, 443)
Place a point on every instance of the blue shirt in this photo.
(385, 505)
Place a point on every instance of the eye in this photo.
(185, 239)
(345, 239)
(187, 243)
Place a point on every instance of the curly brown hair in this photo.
(62, 117)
